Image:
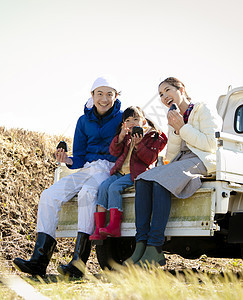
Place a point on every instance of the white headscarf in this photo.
(102, 81)
(105, 81)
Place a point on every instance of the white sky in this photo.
(51, 51)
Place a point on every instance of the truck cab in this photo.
(209, 222)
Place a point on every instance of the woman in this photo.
(191, 151)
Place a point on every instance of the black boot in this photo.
(37, 264)
(80, 257)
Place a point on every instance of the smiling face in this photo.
(104, 98)
(170, 94)
(134, 121)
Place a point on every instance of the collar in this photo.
(187, 112)
(100, 117)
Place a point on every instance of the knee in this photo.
(45, 197)
(113, 189)
(103, 188)
(87, 195)
(156, 185)
(140, 181)
(161, 188)
(49, 198)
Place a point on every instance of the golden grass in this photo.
(27, 166)
(153, 283)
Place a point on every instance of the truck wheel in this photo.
(114, 249)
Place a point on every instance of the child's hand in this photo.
(123, 133)
(136, 138)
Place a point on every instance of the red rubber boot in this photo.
(114, 228)
(99, 222)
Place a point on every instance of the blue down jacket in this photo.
(93, 136)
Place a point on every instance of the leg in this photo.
(161, 209)
(44, 247)
(137, 254)
(114, 227)
(100, 218)
(143, 208)
(75, 268)
(115, 190)
(100, 209)
(102, 202)
(47, 219)
(52, 199)
(115, 205)
(87, 199)
(103, 190)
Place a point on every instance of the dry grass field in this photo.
(27, 167)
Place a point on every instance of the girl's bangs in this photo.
(131, 112)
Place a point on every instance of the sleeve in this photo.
(174, 144)
(79, 146)
(148, 151)
(116, 149)
(202, 137)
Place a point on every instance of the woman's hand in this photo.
(61, 156)
(175, 120)
(136, 138)
(123, 133)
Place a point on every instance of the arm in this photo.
(174, 144)
(148, 150)
(199, 132)
(116, 149)
(79, 146)
(117, 145)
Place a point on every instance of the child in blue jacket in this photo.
(93, 135)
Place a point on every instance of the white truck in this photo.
(209, 222)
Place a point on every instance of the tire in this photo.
(115, 250)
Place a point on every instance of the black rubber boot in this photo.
(80, 257)
(37, 264)
(137, 254)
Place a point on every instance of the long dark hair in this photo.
(176, 83)
(134, 111)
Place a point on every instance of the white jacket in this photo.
(199, 135)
